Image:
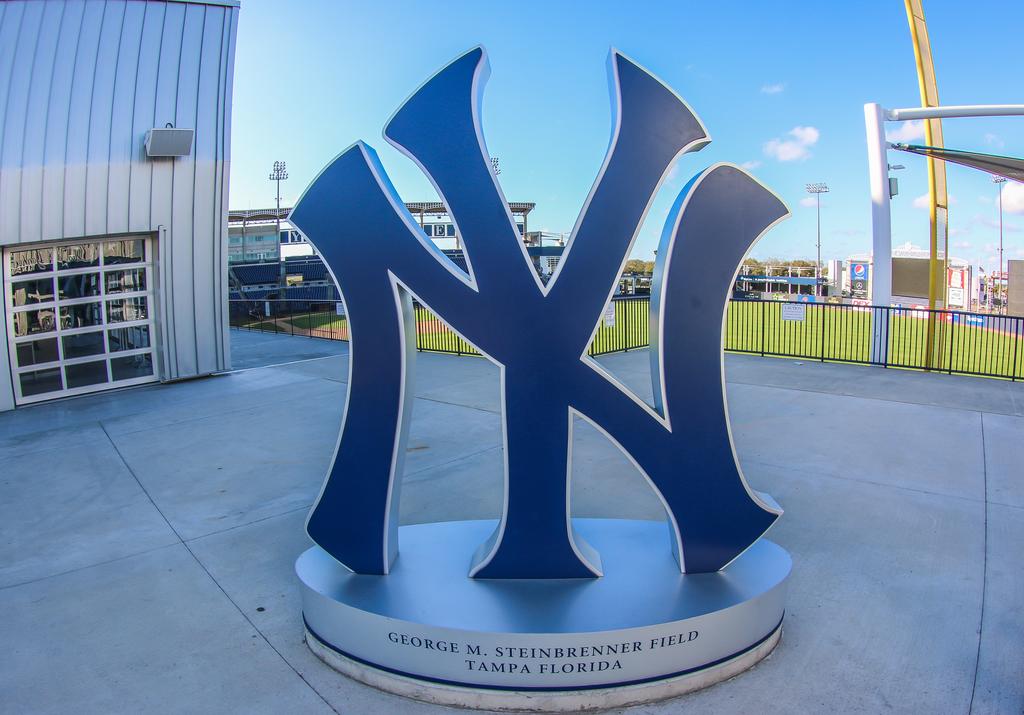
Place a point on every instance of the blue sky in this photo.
(780, 85)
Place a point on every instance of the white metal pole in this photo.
(881, 227)
(282, 273)
(955, 111)
(1002, 285)
(817, 265)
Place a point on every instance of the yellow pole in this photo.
(939, 203)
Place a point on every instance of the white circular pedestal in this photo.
(640, 633)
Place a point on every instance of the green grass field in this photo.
(826, 332)
(843, 333)
(320, 325)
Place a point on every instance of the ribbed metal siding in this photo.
(80, 84)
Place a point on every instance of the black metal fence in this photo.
(941, 340)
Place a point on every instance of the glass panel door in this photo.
(80, 316)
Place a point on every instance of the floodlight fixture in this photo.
(280, 172)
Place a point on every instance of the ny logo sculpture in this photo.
(539, 334)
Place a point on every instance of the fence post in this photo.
(763, 326)
(885, 345)
(821, 323)
(1016, 349)
(952, 337)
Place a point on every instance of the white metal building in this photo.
(113, 233)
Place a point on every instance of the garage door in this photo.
(79, 316)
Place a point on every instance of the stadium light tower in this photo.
(999, 181)
(279, 174)
(818, 189)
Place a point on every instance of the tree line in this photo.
(751, 266)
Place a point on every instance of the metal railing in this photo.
(965, 343)
(291, 317)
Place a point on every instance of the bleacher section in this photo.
(458, 258)
(261, 281)
(311, 269)
(311, 293)
(259, 294)
(311, 281)
(256, 273)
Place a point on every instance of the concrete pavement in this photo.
(149, 535)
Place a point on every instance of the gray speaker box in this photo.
(169, 142)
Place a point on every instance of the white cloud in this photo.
(847, 232)
(962, 245)
(795, 149)
(907, 132)
(993, 223)
(773, 88)
(808, 136)
(750, 165)
(994, 140)
(1013, 197)
(808, 201)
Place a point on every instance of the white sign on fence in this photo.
(339, 308)
(609, 315)
(794, 311)
(956, 298)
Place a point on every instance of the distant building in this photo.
(253, 237)
(779, 282)
(433, 218)
(1015, 288)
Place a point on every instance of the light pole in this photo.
(279, 174)
(999, 181)
(818, 189)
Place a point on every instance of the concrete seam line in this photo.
(237, 370)
(421, 470)
(984, 561)
(875, 399)
(456, 404)
(218, 532)
(883, 485)
(210, 575)
(89, 566)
